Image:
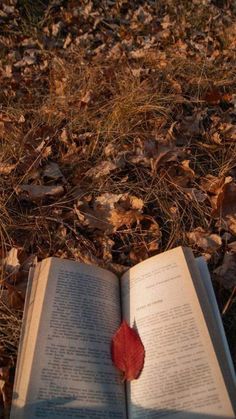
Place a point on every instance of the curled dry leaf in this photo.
(11, 262)
(226, 273)
(211, 184)
(102, 169)
(36, 192)
(213, 96)
(86, 98)
(226, 205)
(6, 389)
(52, 171)
(232, 246)
(155, 153)
(192, 125)
(6, 168)
(205, 240)
(15, 298)
(181, 174)
(127, 352)
(196, 194)
(106, 244)
(111, 211)
(215, 188)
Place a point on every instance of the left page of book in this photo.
(66, 370)
(28, 309)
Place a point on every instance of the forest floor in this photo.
(117, 141)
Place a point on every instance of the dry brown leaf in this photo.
(226, 273)
(105, 244)
(6, 390)
(86, 98)
(138, 254)
(112, 211)
(6, 168)
(154, 154)
(130, 201)
(60, 87)
(2, 129)
(36, 192)
(15, 298)
(226, 206)
(27, 60)
(102, 169)
(192, 125)
(232, 246)
(213, 96)
(144, 251)
(196, 194)
(205, 240)
(215, 187)
(181, 174)
(52, 171)
(211, 184)
(11, 262)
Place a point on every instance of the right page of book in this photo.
(181, 377)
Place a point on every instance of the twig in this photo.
(227, 305)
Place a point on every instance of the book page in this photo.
(181, 377)
(27, 315)
(67, 370)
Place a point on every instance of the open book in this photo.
(72, 311)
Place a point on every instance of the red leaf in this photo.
(127, 352)
(213, 97)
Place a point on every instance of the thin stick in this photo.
(229, 301)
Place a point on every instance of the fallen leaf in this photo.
(86, 98)
(52, 171)
(232, 246)
(138, 254)
(21, 120)
(36, 192)
(214, 187)
(196, 194)
(67, 41)
(106, 245)
(192, 125)
(226, 273)
(11, 262)
(27, 60)
(180, 173)
(2, 129)
(6, 389)
(211, 184)
(127, 352)
(6, 168)
(130, 201)
(226, 205)
(205, 240)
(102, 169)
(213, 96)
(155, 154)
(15, 298)
(110, 212)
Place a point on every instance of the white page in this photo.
(29, 301)
(181, 376)
(68, 371)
